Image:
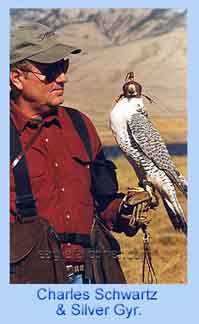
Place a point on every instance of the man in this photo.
(61, 185)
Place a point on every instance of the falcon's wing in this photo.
(141, 131)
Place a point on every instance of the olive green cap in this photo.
(38, 43)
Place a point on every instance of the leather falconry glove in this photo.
(135, 211)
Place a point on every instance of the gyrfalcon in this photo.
(145, 150)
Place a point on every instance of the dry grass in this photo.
(173, 130)
(168, 247)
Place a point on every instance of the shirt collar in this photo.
(21, 121)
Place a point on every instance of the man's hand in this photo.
(135, 211)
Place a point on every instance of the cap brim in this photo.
(54, 54)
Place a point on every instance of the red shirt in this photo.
(60, 185)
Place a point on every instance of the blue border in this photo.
(177, 303)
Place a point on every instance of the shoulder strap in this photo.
(81, 128)
(25, 203)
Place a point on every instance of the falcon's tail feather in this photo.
(181, 183)
(176, 218)
(185, 190)
(184, 185)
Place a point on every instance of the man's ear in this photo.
(16, 77)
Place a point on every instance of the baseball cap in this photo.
(38, 43)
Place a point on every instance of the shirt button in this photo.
(56, 164)
(67, 216)
(62, 189)
(46, 139)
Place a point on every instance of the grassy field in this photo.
(168, 247)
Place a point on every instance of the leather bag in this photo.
(104, 257)
(35, 254)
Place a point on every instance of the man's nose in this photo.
(62, 78)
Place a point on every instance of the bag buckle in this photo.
(69, 270)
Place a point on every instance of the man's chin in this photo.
(57, 102)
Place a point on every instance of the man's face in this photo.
(43, 85)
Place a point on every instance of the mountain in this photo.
(117, 25)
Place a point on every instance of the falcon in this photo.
(146, 151)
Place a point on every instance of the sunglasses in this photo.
(49, 72)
